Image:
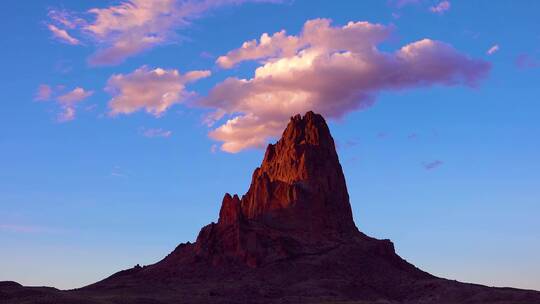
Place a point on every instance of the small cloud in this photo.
(440, 8)
(207, 55)
(382, 135)
(150, 133)
(412, 136)
(492, 50)
(130, 27)
(63, 66)
(402, 3)
(75, 95)
(90, 108)
(214, 148)
(432, 165)
(526, 61)
(117, 172)
(67, 101)
(63, 35)
(44, 93)
(64, 18)
(152, 90)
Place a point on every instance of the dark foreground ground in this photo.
(337, 274)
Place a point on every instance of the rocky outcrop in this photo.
(300, 184)
(290, 239)
(297, 202)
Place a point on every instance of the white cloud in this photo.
(151, 90)
(440, 8)
(492, 50)
(330, 70)
(130, 27)
(118, 172)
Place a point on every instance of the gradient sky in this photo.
(445, 163)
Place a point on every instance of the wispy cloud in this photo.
(440, 8)
(152, 90)
(382, 135)
(66, 100)
(492, 50)
(432, 165)
(68, 103)
(44, 93)
(118, 172)
(150, 133)
(331, 70)
(131, 27)
(402, 3)
(526, 61)
(63, 35)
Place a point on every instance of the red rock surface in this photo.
(290, 239)
(297, 201)
(300, 183)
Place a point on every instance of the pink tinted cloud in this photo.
(44, 93)
(401, 3)
(66, 100)
(151, 133)
(63, 35)
(130, 27)
(151, 90)
(440, 8)
(327, 69)
(492, 50)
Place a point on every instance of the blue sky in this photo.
(450, 173)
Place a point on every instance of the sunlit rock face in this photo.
(297, 197)
(300, 183)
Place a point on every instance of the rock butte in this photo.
(290, 239)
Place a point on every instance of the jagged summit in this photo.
(297, 202)
(299, 185)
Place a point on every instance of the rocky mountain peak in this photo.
(299, 185)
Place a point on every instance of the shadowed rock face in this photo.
(290, 239)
